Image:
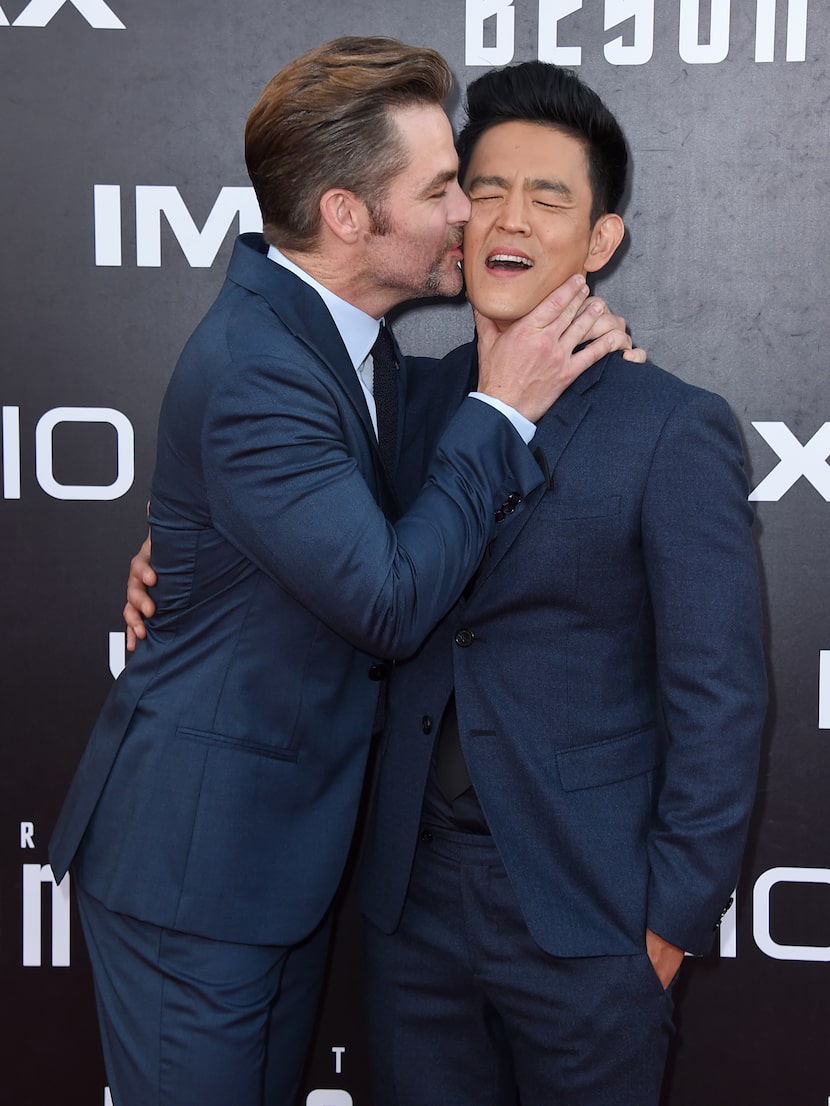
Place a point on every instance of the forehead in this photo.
(427, 137)
(530, 150)
(423, 128)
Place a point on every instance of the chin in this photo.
(450, 286)
(501, 313)
(495, 307)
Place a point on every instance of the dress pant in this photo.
(465, 1009)
(188, 1021)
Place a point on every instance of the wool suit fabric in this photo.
(608, 675)
(218, 792)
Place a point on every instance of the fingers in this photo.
(598, 334)
(594, 351)
(595, 321)
(146, 573)
(636, 354)
(138, 600)
(142, 576)
(561, 307)
(139, 604)
(135, 626)
(529, 363)
(613, 329)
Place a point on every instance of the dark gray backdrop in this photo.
(121, 133)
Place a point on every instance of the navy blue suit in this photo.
(218, 793)
(610, 692)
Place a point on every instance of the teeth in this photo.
(511, 258)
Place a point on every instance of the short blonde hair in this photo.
(324, 122)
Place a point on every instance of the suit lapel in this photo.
(553, 434)
(402, 393)
(304, 314)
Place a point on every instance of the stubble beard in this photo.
(439, 281)
(443, 278)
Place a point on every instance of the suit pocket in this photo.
(605, 762)
(223, 741)
(586, 535)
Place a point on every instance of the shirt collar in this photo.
(357, 329)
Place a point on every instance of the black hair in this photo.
(540, 92)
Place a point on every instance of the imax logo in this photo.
(11, 453)
(200, 247)
(38, 13)
(796, 460)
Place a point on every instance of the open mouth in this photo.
(509, 262)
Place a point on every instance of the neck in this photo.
(342, 274)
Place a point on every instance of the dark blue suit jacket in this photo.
(219, 789)
(611, 693)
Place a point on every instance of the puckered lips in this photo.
(455, 247)
(508, 261)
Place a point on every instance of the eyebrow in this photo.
(439, 180)
(537, 184)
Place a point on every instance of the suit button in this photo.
(514, 499)
(464, 638)
(377, 672)
(426, 724)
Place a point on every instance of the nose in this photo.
(512, 214)
(458, 206)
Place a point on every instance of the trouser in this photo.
(465, 1009)
(188, 1021)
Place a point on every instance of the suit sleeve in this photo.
(702, 572)
(284, 487)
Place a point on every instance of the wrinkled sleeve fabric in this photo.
(284, 487)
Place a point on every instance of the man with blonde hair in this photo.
(209, 821)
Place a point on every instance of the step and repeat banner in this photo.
(122, 188)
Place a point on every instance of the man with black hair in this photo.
(570, 758)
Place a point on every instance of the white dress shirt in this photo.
(359, 331)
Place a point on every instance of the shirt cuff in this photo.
(524, 427)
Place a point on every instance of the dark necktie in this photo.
(385, 391)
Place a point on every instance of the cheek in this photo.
(431, 237)
(472, 245)
(470, 282)
(473, 231)
(565, 255)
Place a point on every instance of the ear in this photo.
(344, 214)
(608, 232)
